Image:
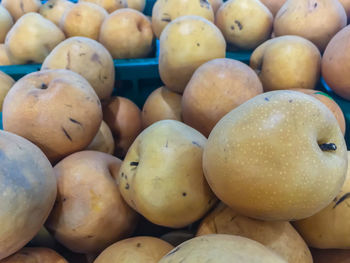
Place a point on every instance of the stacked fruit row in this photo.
(226, 162)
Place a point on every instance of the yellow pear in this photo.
(4, 58)
(6, 82)
(6, 22)
(18, 8)
(138, 5)
(54, 10)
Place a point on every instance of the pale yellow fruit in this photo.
(89, 59)
(6, 22)
(138, 5)
(244, 23)
(185, 44)
(18, 8)
(280, 237)
(6, 82)
(287, 62)
(35, 255)
(270, 154)
(161, 104)
(109, 5)
(4, 58)
(103, 141)
(221, 249)
(165, 11)
(127, 33)
(31, 39)
(28, 187)
(317, 21)
(84, 20)
(54, 10)
(142, 249)
(175, 193)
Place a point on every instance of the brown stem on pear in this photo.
(328, 147)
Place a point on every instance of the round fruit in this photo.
(138, 5)
(215, 4)
(273, 5)
(35, 255)
(18, 8)
(6, 22)
(6, 82)
(54, 10)
(28, 187)
(269, 155)
(4, 58)
(103, 141)
(217, 87)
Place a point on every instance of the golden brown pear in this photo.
(84, 20)
(330, 103)
(103, 141)
(287, 62)
(109, 5)
(216, 88)
(175, 194)
(18, 8)
(315, 20)
(185, 44)
(336, 64)
(123, 117)
(245, 24)
(280, 237)
(89, 59)
(35, 255)
(50, 108)
(4, 58)
(89, 213)
(270, 154)
(273, 5)
(142, 249)
(138, 5)
(28, 187)
(6, 82)
(329, 228)
(54, 10)
(31, 39)
(127, 33)
(6, 22)
(165, 11)
(221, 249)
(161, 104)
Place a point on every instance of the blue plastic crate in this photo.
(1, 128)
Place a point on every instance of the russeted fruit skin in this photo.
(336, 65)
(50, 108)
(28, 192)
(221, 249)
(280, 237)
(142, 249)
(315, 20)
(279, 156)
(185, 44)
(35, 255)
(329, 228)
(175, 194)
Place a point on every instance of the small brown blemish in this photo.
(341, 199)
(43, 86)
(89, 236)
(290, 101)
(184, 194)
(67, 134)
(138, 245)
(198, 45)
(196, 143)
(96, 58)
(75, 121)
(267, 99)
(240, 26)
(232, 27)
(68, 60)
(127, 186)
(134, 163)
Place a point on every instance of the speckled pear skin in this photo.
(264, 158)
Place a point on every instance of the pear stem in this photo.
(328, 147)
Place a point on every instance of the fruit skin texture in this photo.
(217, 87)
(141, 249)
(31, 39)
(165, 11)
(346, 5)
(315, 20)
(28, 184)
(263, 159)
(6, 82)
(89, 59)
(83, 19)
(49, 108)
(161, 104)
(123, 117)
(6, 22)
(89, 213)
(273, 5)
(109, 5)
(336, 65)
(138, 5)
(287, 62)
(221, 249)
(186, 43)
(18, 8)
(215, 4)
(280, 237)
(175, 194)
(244, 23)
(330, 103)
(103, 141)
(4, 59)
(329, 228)
(35, 255)
(55, 9)
(127, 33)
